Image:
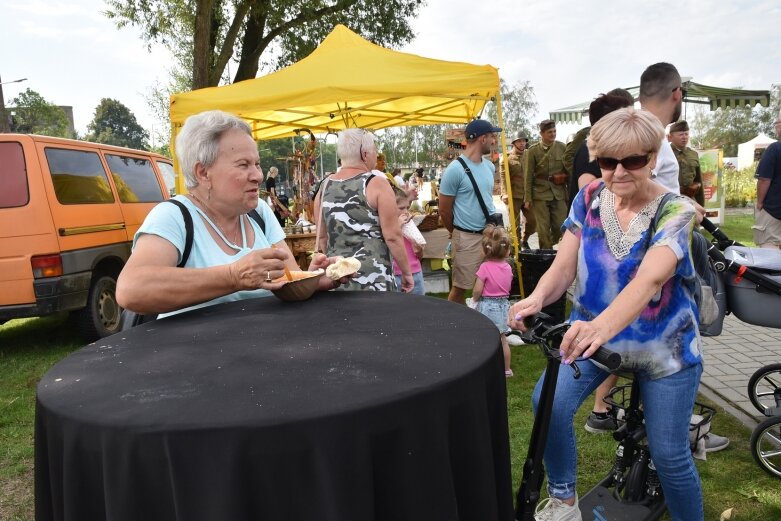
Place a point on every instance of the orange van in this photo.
(68, 212)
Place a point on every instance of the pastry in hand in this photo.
(343, 267)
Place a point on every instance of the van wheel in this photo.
(101, 315)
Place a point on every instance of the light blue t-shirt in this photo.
(165, 220)
(467, 213)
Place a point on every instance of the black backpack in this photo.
(129, 318)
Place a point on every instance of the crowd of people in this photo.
(595, 200)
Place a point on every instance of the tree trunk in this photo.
(201, 39)
(252, 44)
(230, 42)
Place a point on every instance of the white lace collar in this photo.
(621, 243)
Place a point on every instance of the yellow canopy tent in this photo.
(349, 82)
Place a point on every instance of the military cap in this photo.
(547, 124)
(679, 126)
(520, 135)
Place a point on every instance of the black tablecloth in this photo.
(349, 406)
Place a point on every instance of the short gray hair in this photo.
(199, 140)
(350, 143)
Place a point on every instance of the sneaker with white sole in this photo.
(597, 424)
(553, 509)
(715, 443)
(515, 340)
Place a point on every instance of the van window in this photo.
(134, 178)
(78, 177)
(167, 169)
(13, 176)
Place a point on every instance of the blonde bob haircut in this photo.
(625, 132)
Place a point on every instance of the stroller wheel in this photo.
(763, 386)
(766, 445)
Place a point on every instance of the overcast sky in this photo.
(570, 51)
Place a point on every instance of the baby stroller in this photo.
(752, 278)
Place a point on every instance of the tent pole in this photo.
(179, 184)
(510, 208)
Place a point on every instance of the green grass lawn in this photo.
(28, 348)
(738, 228)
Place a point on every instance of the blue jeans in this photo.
(497, 309)
(418, 278)
(667, 404)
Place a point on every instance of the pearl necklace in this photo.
(211, 216)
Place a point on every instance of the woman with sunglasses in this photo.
(634, 287)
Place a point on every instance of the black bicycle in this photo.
(631, 490)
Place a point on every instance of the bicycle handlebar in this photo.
(548, 335)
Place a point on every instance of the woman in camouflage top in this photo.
(357, 216)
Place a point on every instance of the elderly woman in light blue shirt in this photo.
(232, 258)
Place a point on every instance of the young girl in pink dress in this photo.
(492, 288)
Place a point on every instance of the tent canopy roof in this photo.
(716, 97)
(349, 82)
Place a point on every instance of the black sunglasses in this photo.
(629, 162)
(684, 92)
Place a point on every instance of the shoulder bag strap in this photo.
(127, 318)
(255, 216)
(474, 185)
(188, 231)
(658, 215)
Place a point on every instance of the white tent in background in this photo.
(747, 150)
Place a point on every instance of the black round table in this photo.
(349, 406)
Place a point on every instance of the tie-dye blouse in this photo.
(664, 339)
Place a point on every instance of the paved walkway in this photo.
(730, 360)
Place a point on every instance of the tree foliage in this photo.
(204, 35)
(518, 105)
(32, 114)
(767, 116)
(115, 124)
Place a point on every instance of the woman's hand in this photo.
(407, 283)
(527, 307)
(258, 268)
(582, 339)
(320, 261)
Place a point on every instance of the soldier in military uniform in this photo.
(546, 185)
(524, 218)
(689, 174)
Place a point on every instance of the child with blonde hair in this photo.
(491, 292)
(413, 243)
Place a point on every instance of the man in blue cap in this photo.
(460, 208)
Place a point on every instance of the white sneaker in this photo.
(515, 340)
(552, 509)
